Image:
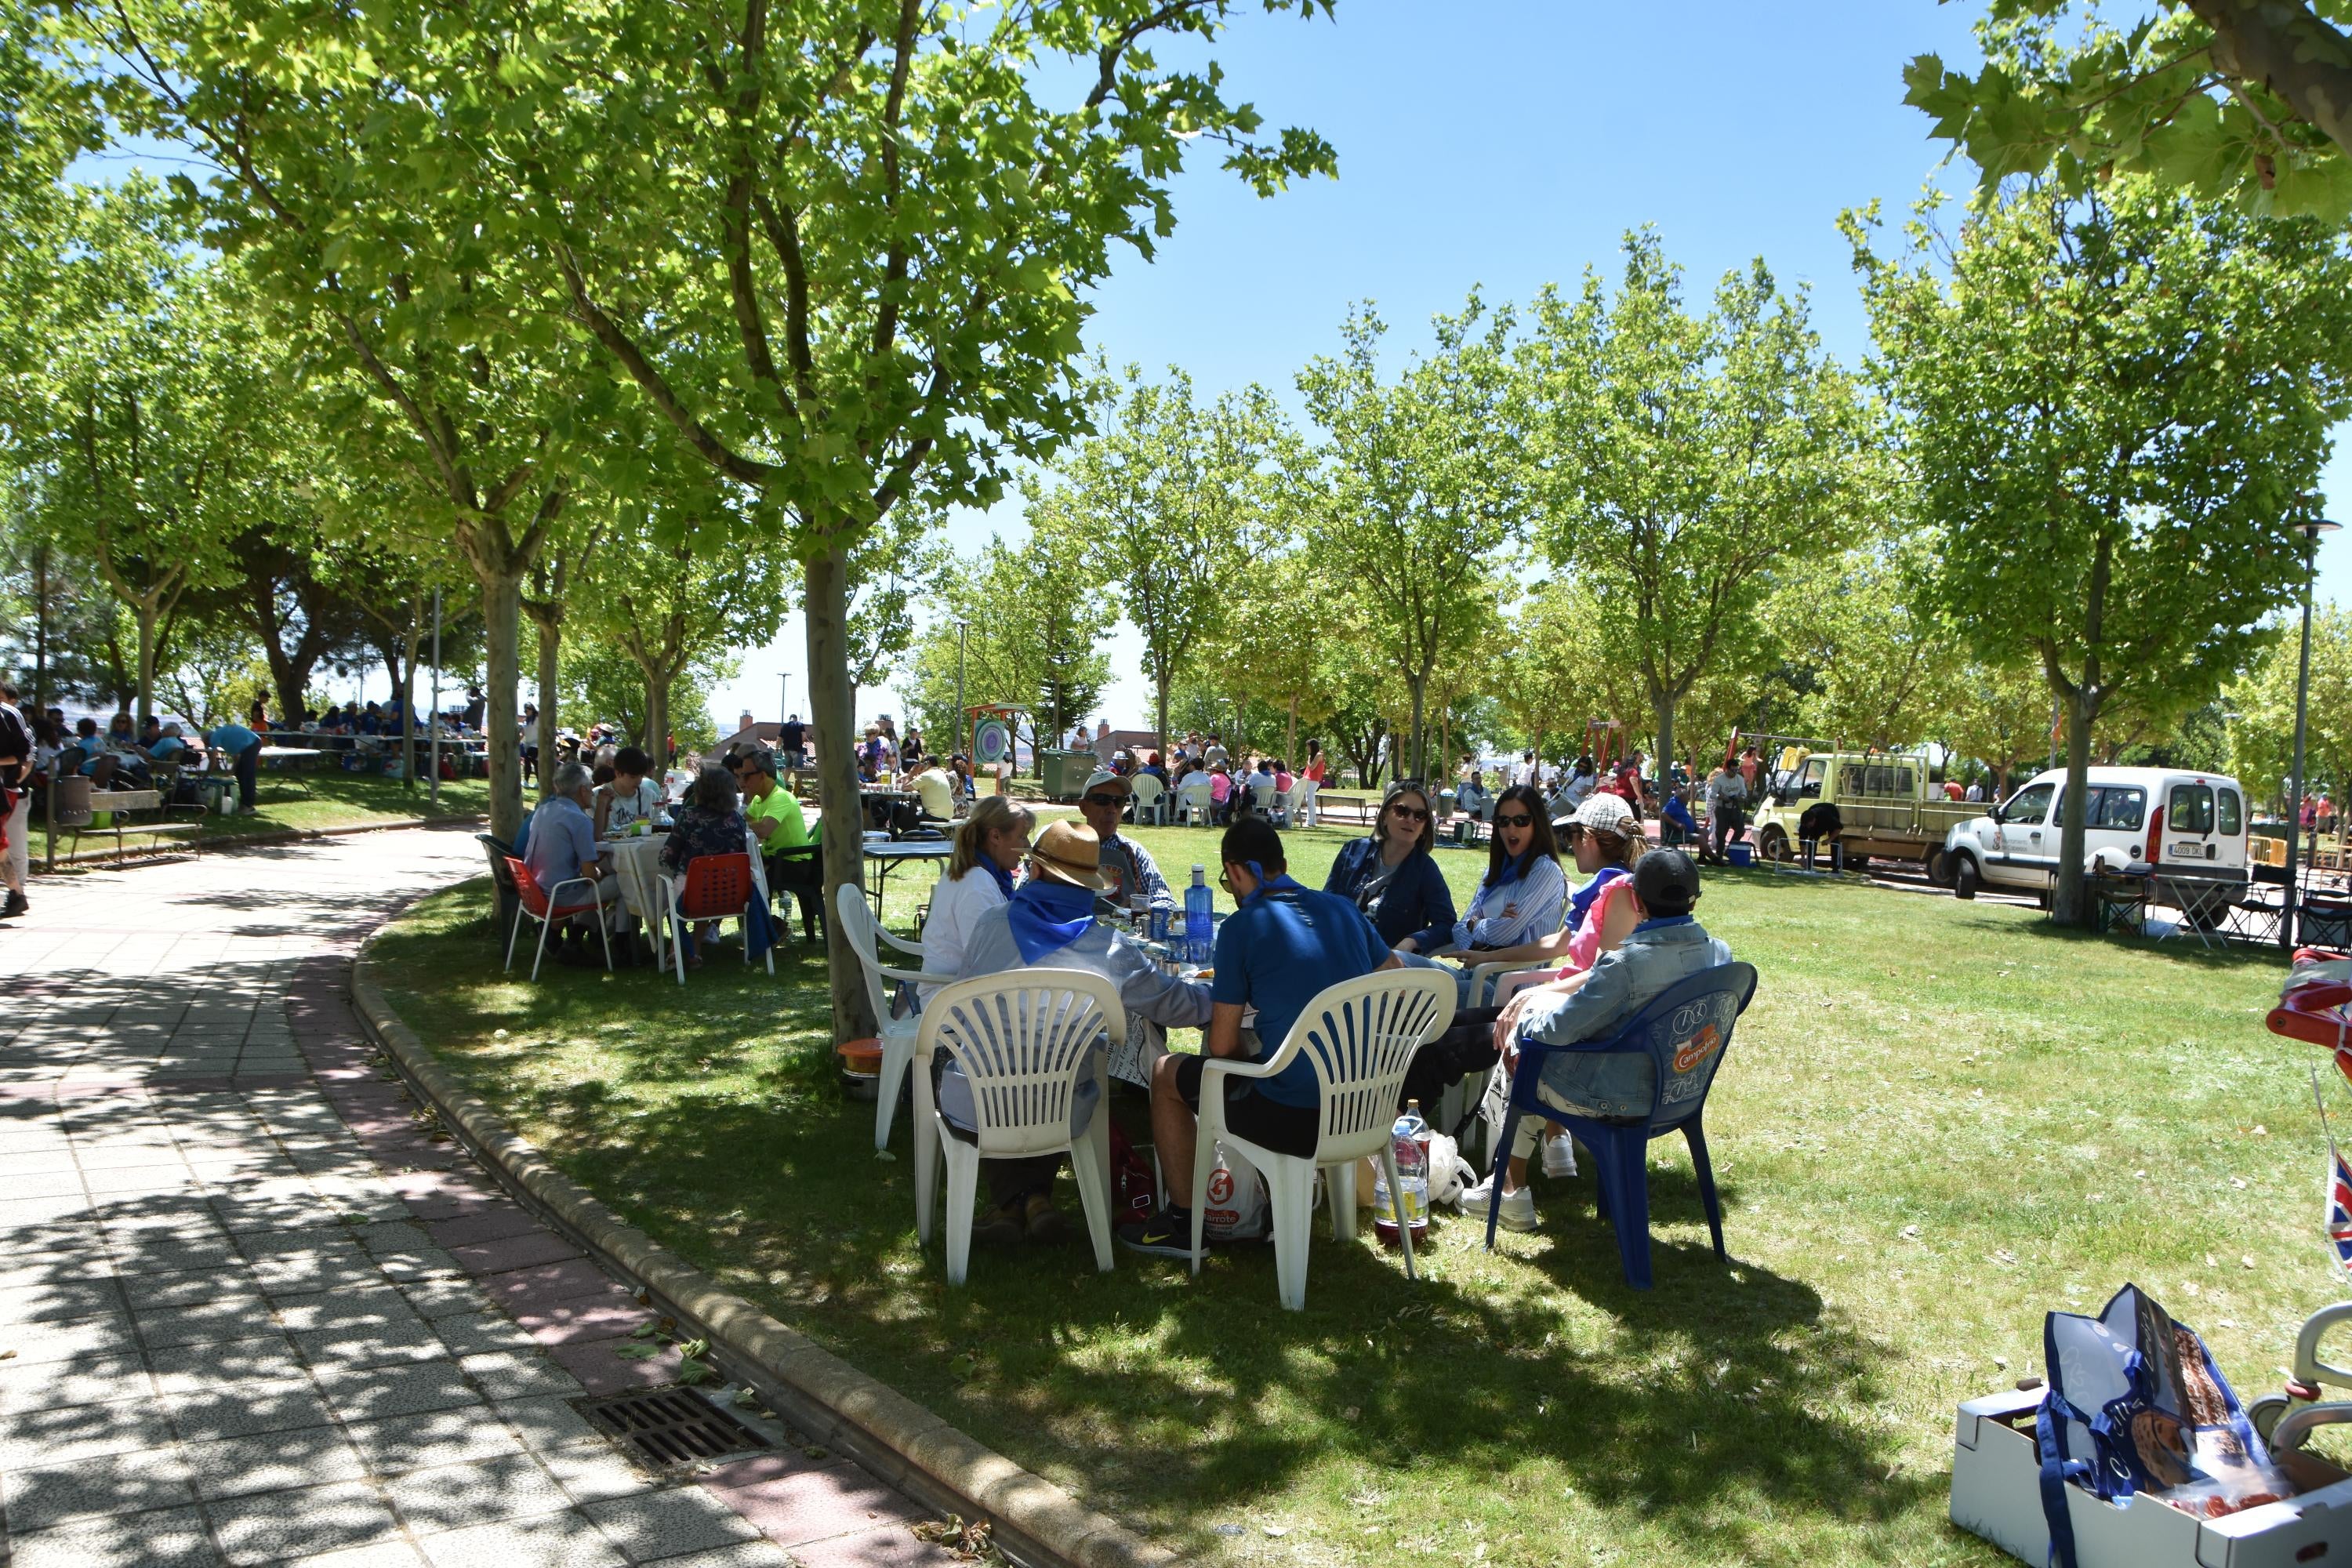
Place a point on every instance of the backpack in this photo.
(2135, 1405)
(1133, 1192)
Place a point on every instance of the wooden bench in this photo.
(1365, 807)
(119, 803)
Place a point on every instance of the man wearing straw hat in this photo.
(1050, 923)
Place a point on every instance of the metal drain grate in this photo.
(669, 1426)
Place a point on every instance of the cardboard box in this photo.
(1997, 1494)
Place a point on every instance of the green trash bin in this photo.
(1065, 774)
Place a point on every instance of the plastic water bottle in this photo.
(1200, 927)
(1410, 1135)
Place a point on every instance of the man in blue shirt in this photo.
(562, 848)
(243, 748)
(1284, 945)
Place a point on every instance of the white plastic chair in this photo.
(1024, 1039)
(1150, 798)
(1362, 1035)
(1301, 810)
(897, 1034)
(1261, 792)
(1195, 800)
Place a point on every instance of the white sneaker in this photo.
(1474, 1199)
(1519, 1211)
(1559, 1156)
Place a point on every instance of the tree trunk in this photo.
(657, 685)
(146, 614)
(1290, 738)
(2067, 905)
(1160, 685)
(826, 615)
(550, 619)
(1665, 702)
(1420, 741)
(502, 637)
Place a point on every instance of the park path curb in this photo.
(1033, 1521)
(277, 836)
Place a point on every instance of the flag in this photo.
(2339, 1209)
(2338, 1189)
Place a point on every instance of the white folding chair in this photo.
(1024, 1039)
(897, 1034)
(1362, 1035)
(1150, 799)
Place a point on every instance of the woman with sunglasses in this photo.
(1524, 892)
(1392, 877)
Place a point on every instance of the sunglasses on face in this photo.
(1411, 813)
(1520, 820)
(1099, 798)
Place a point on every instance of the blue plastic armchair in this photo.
(1685, 1032)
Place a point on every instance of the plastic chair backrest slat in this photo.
(1361, 1035)
(1022, 1038)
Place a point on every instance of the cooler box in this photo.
(1739, 854)
(1997, 1494)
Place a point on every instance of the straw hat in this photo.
(1070, 852)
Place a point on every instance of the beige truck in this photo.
(1887, 806)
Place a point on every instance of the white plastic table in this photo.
(885, 857)
(637, 862)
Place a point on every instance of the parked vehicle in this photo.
(1888, 805)
(2189, 828)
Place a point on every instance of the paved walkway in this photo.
(252, 1311)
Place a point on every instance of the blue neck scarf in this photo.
(1512, 869)
(1279, 882)
(1662, 922)
(1047, 916)
(1002, 878)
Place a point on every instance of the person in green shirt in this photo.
(775, 819)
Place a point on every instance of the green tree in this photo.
(1879, 664)
(2117, 409)
(1031, 613)
(348, 186)
(1168, 503)
(1688, 460)
(2261, 708)
(842, 247)
(1422, 481)
(2245, 99)
(136, 422)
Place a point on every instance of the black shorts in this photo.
(1269, 1123)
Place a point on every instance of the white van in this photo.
(2188, 827)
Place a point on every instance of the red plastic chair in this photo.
(534, 902)
(715, 887)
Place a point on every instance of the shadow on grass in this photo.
(1709, 1406)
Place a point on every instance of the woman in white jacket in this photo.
(992, 842)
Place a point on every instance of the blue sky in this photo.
(1509, 144)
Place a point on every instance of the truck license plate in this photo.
(2189, 849)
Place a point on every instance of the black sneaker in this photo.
(1166, 1233)
(998, 1227)
(14, 906)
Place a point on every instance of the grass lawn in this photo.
(1937, 1121)
(306, 801)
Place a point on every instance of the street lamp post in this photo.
(962, 628)
(2311, 533)
(783, 708)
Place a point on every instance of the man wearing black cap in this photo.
(1668, 945)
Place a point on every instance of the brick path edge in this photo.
(897, 1439)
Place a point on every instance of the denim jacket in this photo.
(1654, 956)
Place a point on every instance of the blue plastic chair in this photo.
(1685, 1031)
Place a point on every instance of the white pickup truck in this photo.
(2189, 828)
